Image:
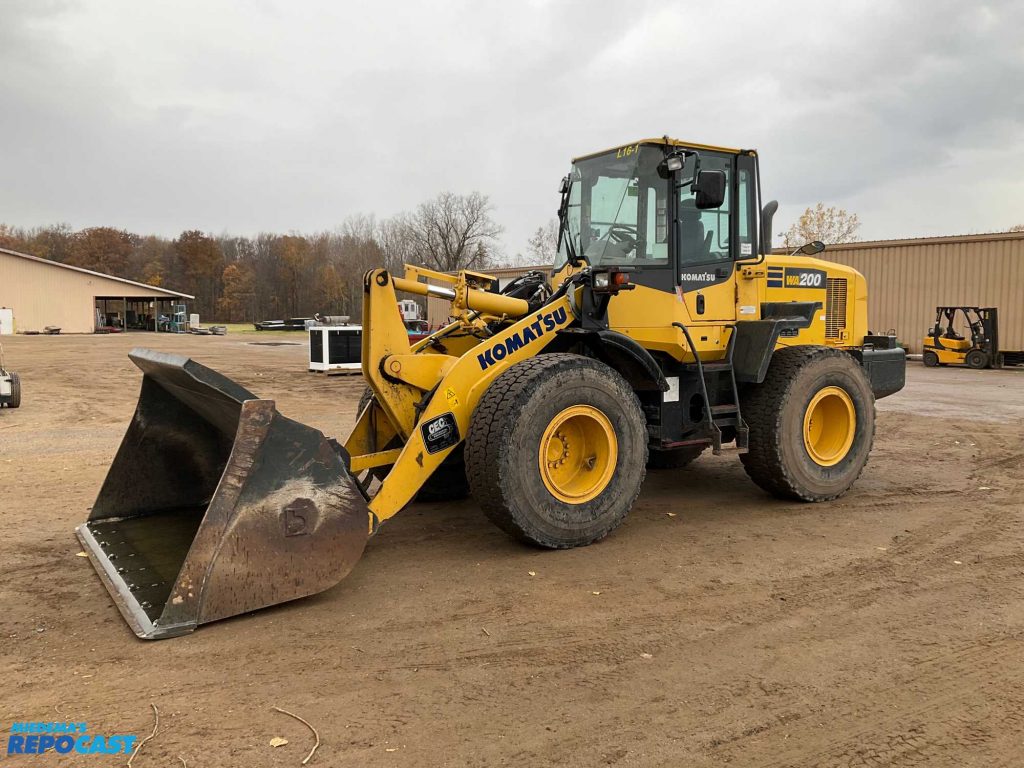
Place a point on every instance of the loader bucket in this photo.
(216, 504)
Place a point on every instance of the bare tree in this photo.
(1016, 228)
(543, 244)
(453, 232)
(830, 225)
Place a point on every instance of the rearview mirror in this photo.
(710, 189)
(813, 247)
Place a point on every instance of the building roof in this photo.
(980, 237)
(49, 263)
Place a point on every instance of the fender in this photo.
(637, 366)
(755, 340)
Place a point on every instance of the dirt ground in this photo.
(886, 628)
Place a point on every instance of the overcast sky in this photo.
(268, 115)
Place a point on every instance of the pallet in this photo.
(343, 369)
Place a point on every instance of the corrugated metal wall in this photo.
(907, 279)
(43, 294)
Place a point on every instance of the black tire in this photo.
(929, 358)
(505, 434)
(673, 458)
(364, 399)
(977, 359)
(448, 483)
(14, 400)
(778, 459)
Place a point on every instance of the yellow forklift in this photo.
(963, 336)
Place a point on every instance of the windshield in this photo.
(616, 211)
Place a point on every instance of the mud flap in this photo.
(216, 504)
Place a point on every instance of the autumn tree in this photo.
(238, 293)
(830, 225)
(453, 232)
(103, 249)
(295, 270)
(201, 263)
(8, 237)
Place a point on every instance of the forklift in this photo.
(944, 345)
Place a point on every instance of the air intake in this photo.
(835, 307)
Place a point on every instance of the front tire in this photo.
(977, 359)
(930, 358)
(556, 451)
(812, 423)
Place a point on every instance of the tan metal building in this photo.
(47, 293)
(907, 279)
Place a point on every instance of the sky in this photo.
(291, 116)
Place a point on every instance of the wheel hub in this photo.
(830, 423)
(577, 455)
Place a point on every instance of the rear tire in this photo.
(929, 358)
(673, 458)
(557, 450)
(977, 359)
(812, 423)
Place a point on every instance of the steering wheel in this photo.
(623, 233)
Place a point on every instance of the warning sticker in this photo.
(453, 399)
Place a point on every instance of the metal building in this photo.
(45, 293)
(907, 279)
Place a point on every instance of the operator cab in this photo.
(654, 207)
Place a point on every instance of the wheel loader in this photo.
(668, 328)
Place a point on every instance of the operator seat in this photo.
(694, 244)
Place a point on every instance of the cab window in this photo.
(704, 236)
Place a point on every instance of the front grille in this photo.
(835, 307)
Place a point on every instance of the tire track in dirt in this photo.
(956, 701)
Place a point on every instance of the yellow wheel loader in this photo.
(667, 328)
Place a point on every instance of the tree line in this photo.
(241, 279)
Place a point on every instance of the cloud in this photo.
(279, 116)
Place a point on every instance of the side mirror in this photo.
(767, 214)
(710, 189)
(811, 248)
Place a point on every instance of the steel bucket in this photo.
(216, 504)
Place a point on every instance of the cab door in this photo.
(706, 246)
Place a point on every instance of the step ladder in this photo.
(723, 414)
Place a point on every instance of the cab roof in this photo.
(664, 141)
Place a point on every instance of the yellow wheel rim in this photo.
(830, 423)
(577, 454)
